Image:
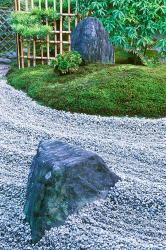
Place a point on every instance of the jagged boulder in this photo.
(62, 179)
(91, 40)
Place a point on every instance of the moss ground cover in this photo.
(97, 89)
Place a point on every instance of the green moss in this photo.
(122, 56)
(125, 57)
(97, 89)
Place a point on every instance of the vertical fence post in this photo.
(18, 38)
(55, 30)
(41, 42)
(69, 25)
(28, 41)
(61, 26)
(76, 14)
(40, 5)
(21, 41)
(26, 5)
(48, 38)
(58, 31)
(32, 4)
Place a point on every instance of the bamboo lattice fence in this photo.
(7, 36)
(33, 51)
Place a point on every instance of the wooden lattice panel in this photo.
(32, 51)
(7, 37)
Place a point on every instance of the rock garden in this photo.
(82, 126)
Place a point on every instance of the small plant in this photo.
(67, 63)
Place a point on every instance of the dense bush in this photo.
(30, 24)
(135, 25)
(6, 3)
(67, 63)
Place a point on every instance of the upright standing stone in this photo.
(62, 179)
(91, 40)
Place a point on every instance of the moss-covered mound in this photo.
(97, 89)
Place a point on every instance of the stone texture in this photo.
(4, 68)
(91, 40)
(4, 60)
(63, 179)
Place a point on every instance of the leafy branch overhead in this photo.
(32, 24)
(135, 25)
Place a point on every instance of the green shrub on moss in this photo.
(67, 63)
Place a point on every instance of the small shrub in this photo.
(67, 63)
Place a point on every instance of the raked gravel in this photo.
(134, 214)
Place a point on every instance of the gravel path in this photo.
(134, 214)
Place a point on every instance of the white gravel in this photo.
(134, 214)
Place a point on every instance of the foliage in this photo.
(35, 31)
(31, 24)
(67, 63)
(51, 4)
(97, 89)
(135, 25)
(6, 3)
(50, 14)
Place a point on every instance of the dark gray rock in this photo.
(5, 60)
(91, 40)
(62, 179)
(11, 55)
(4, 68)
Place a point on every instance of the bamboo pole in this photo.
(40, 5)
(19, 7)
(76, 14)
(15, 5)
(28, 53)
(34, 52)
(19, 41)
(18, 51)
(21, 52)
(61, 27)
(34, 41)
(42, 53)
(20, 45)
(55, 5)
(41, 45)
(32, 4)
(63, 32)
(17, 37)
(26, 5)
(38, 57)
(58, 42)
(69, 25)
(55, 29)
(48, 38)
